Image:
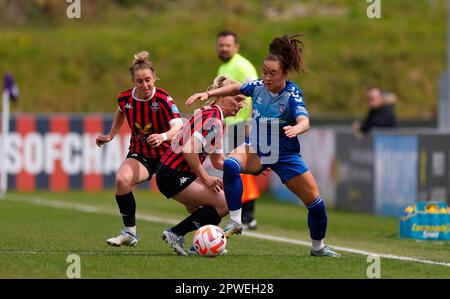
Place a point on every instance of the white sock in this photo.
(317, 245)
(236, 216)
(131, 229)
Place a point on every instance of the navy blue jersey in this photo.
(271, 110)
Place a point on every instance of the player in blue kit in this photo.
(279, 116)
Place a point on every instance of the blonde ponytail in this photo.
(220, 81)
(141, 61)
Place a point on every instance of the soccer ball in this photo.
(209, 240)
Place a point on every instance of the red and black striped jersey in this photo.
(207, 125)
(146, 117)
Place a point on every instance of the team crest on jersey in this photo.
(144, 130)
(155, 106)
(282, 107)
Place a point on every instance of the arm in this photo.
(170, 109)
(229, 90)
(301, 127)
(366, 124)
(119, 117)
(191, 149)
(158, 139)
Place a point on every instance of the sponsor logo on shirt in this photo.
(175, 109)
(301, 109)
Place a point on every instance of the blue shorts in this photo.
(287, 167)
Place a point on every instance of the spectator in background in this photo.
(240, 69)
(381, 112)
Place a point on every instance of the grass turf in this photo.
(36, 240)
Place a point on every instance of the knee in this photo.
(191, 209)
(124, 181)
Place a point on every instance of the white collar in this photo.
(273, 94)
(137, 99)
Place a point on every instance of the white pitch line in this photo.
(90, 209)
(351, 250)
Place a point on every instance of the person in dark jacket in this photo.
(381, 112)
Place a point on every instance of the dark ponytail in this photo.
(289, 51)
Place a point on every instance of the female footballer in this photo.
(181, 175)
(154, 120)
(277, 103)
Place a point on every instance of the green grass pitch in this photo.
(39, 230)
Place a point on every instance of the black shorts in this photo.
(171, 182)
(151, 164)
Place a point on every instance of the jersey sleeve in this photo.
(172, 111)
(247, 89)
(296, 103)
(210, 131)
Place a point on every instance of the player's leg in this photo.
(211, 208)
(236, 136)
(130, 173)
(305, 187)
(240, 161)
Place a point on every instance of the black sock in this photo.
(248, 209)
(203, 216)
(127, 207)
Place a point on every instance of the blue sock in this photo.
(317, 219)
(232, 183)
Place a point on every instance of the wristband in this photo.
(207, 92)
(164, 136)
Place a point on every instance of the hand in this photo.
(202, 96)
(213, 183)
(290, 131)
(155, 140)
(356, 126)
(102, 139)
